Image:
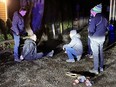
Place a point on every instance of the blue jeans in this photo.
(16, 46)
(89, 47)
(97, 49)
(71, 52)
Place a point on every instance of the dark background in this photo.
(63, 9)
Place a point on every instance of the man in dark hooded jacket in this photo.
(97, 31)
(18, 30)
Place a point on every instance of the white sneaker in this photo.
(70, 60)
(65, 52)
(78, 57)
(101, 69)
(94, 71)
(21, 57)
(89, 55)
(50, 54)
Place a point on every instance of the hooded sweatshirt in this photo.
(29, 51)
(98, 28)
(75, 42)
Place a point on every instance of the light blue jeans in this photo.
(89, 47)
(97, 49)
(16, 46)
(71, 52)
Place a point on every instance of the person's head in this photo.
(96, 9)
(74, 33)
(23, 11)
(33, 37)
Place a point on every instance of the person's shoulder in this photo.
(98, 15)
(16, 13)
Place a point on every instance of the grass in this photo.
(2, 37)
(4, 45)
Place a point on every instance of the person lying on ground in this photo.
(29, 51)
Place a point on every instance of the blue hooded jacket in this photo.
(18, 24)
(98, 26)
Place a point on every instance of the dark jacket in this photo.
(29, 51)
(17, 24)
(98, 26)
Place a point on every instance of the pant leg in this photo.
(101, 55)
(39, 55)
(70, 52)
(95, 50)
(16, 46)
(89, 47)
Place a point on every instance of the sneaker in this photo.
(50, 54)
(101, 69)
(65, 52)
(89, 55)
(78, 57)
(17, 60)
(70, 60)
(21, 57)
(94, 71)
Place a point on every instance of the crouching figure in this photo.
(75, 48)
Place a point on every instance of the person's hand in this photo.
(64, 47)
(17, 34)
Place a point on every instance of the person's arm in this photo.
(71, 44)
(91, 28)
(15, 25)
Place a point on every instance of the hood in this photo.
(74, 33)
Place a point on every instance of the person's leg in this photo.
(89, 47)
(39, 55)
(95, 50)
(70, 52)
(101, 57)
(16, 46)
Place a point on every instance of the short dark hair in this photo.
(23, 8)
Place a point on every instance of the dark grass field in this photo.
(51, 72)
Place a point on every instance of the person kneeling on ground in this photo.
(74, 48)
(29, 51)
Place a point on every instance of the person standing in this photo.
(97, 31)
(18, 30)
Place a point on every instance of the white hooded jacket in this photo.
(75, 42)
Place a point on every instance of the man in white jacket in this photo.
(75, 48)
